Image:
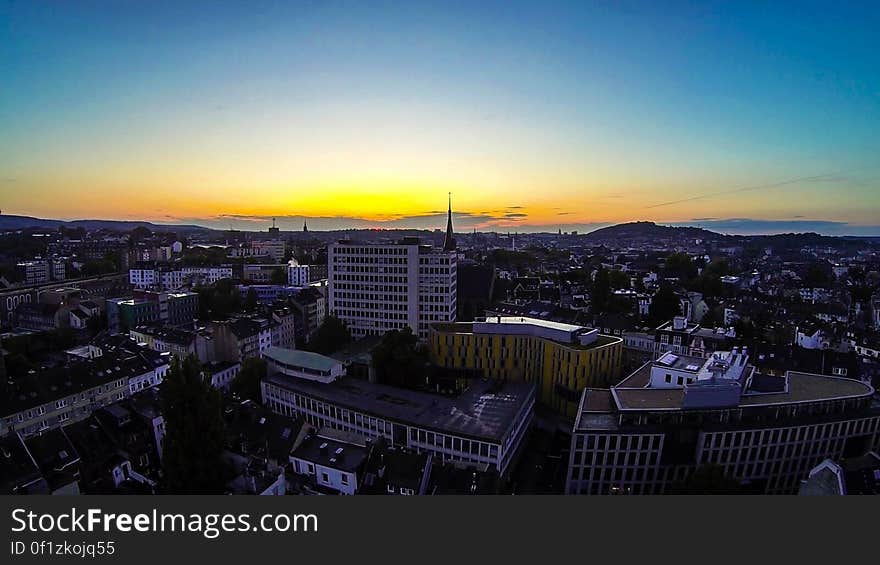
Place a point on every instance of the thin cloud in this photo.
(829, 177)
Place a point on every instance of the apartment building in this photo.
(55, 396)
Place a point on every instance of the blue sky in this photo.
(364, 113)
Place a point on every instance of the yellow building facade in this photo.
(557, 363)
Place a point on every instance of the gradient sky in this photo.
(535, 116)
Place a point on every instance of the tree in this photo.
(192, 455)
(664, 306)
(600, 291)
(247, 383)
(618, 279)
(331, 336)
(707, 479)
(279, 276)
(819, 275)
(251, 301)
(139, 233)
(713, 318)
(680, 265)
(398, 360)
(219, 301)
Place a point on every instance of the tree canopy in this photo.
(192, 456)
(399, 360)
(332, 335)
(247, 382)
(665, 305)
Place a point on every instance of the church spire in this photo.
(449, 241)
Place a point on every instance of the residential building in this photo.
(273, 249)
(392, 470)
(149, 307)
(687, 338)
(84, 312)
(57, 461)
(19, 473)
(55, 396)
(221, 373)
(855, 476)
(241, 338)
(180, 343)
(810, 336)
(258, 273)
(42, 317)
(310, 307)
(282, 324)
(297, 275)
(35, 272)
(150, 276)
(258, 447)
(59, 269)
(330, 461)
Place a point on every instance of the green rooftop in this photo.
(299, 358)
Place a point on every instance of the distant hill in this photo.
(649, 231)
(8, 222)
(643, 232)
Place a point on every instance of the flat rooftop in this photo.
(486, 410)
(559, 332)
(536, 322)
(680, 362)
(300, 358)
(633, 392)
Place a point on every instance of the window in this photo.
(345, 479)
(325, 477)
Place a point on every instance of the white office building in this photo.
(376, 288)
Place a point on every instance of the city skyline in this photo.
(740, 119)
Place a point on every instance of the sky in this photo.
(737, 116)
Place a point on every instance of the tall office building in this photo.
(376, 288)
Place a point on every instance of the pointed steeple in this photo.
(449, 241)
(305, 225)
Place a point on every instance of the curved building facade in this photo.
(650, 433)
